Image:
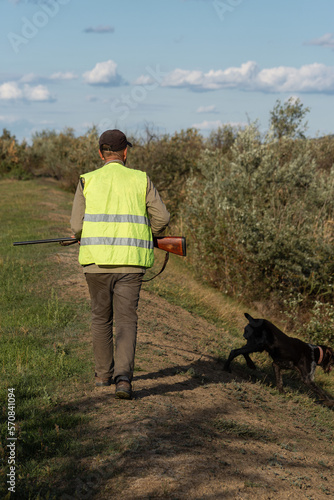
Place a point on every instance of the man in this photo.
(116, 211)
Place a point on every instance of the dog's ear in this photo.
(328, 360)
(252, 321)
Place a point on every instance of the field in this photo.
(192, 430)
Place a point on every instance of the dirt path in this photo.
(193, 431)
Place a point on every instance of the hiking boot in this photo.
(100, 382)
(123, 390)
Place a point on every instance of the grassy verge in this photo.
(178, 286)
(39, 334)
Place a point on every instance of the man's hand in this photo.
(67, 243)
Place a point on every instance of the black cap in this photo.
(115, 139)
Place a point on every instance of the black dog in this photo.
(286, 352)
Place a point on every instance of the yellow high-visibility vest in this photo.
(116, 228)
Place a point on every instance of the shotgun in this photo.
(171, 244)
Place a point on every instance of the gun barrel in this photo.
(51, 240)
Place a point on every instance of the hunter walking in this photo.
(116, 211)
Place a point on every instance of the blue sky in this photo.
(167, 64)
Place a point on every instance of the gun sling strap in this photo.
(161, 270)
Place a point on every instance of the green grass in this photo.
(39, 333)
(177, 286)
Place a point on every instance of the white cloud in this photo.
(311, 78)
(10, 91)
(59, 76)
(92, 98)
(29, 78)
(207, 109)
(36, 93)
(8, 119)
(326, 40)
(207, 125)
(213, 125)
(143, 80)
(100, 29)
(67, 75)
(104, 73)
(212, 80)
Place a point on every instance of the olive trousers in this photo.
(114, 298)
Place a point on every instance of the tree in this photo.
(286, 119)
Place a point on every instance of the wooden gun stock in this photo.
(171, 244)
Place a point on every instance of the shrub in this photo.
(322, 150)
(63, 156)
(222, 139)
(13, 160)
(262, 227)
(169, 161)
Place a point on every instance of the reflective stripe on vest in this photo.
(132, 242)
(138, 219)
(116, 228)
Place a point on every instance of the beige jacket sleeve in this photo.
(78, 211)
(157, 211)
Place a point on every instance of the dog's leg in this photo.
(249, 362)
(278, 376)
(307, 372)
(245, 351)
(318, 391)
(325, 398)
(231, 357)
